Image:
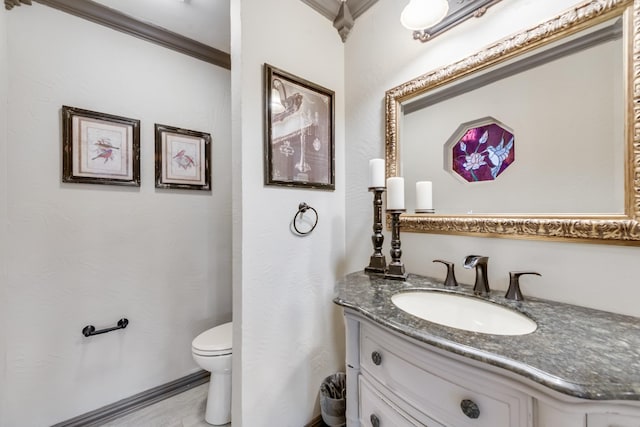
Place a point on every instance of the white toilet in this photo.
(212, 352)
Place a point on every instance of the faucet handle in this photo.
(450, 281)
(514, 285)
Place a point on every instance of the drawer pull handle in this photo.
(375, 422)
(470, 408)
(376, 357)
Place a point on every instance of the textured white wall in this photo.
(89, 254)
(289, 329)
(380, 54)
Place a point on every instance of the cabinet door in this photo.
(612, 420)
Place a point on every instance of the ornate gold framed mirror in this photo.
(566, 93)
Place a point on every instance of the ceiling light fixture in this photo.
(422, 14)
(429, 18)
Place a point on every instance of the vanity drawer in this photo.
(377, 411)
(438, 386)
(612, 420)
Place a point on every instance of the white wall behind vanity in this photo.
(381, 54)
(80, 254)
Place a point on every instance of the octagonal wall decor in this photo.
(479, 150)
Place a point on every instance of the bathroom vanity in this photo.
(580, 367)
(576, 367)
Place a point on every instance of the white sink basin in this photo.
(463, 312)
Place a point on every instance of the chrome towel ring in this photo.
(302, 208)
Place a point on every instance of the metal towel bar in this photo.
(89, 330)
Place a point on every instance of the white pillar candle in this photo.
(424, 198)
(395, 193)
(376, 173)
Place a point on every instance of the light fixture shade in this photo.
(421, 14)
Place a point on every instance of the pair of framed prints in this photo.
(101, 148)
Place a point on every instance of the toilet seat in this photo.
(216, 341)
(211, 353)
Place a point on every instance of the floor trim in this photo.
(137, 401)
(316, 422)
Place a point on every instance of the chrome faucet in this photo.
(481, 287)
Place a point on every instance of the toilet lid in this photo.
(215, 339)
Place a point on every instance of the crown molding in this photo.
(342, 14)
(114, 19)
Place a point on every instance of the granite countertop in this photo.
(578, 351)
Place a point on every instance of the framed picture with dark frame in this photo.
(99, 148)
(182, 158)
(298, 132)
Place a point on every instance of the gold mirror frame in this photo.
(623, 229)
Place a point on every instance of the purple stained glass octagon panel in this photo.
(483, 152)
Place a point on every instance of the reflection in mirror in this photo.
(564, 91)
(564, 107)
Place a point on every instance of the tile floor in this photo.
(182, 410)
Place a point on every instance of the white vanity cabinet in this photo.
(442, 393)
(393, 381)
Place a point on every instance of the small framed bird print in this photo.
(99, 148)
(182, 158)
